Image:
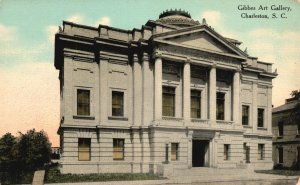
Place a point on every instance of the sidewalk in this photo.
(250, 178)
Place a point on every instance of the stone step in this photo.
(209, 172)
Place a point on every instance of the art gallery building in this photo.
(173, 94)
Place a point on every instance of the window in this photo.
(245, 115)
(84, 149)
(220, 105)
(280, 155)
(117, 103)
(226, 152)
(167, 153)
(298, 154)
(168, 101)
(174, 151)
(83, 102)
(260, 154)
(280, 128)
(260, 117)
(298, 129)
(244, 151)
(195, 104)
(118, 149)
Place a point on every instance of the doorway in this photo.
(200, 153)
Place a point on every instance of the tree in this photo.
(34, 149)
(8, 162)
(295, 113)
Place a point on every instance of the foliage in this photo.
(34, 149)
(20, 156)
(53, 175)
(295, 94)
(295, 113)
(280, 172)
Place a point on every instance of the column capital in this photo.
(238, 70)
(187, 60)
(214, 65)
(157, 54)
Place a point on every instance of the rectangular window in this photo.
(195, 104)
(174, 151)
(298, 154)
(260, 117)
(84, 149)
(261, 151)
(226, 152)
(280, 155)
(168, 102)
(83, 102)
(280, 128)
(220, 105)
(117, 103)
(118, 149)
(245, 115)
(244, 151)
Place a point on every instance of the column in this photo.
(137, 91)
(158, 87)
(186, 90)
(254, 106)
(269, 111)
(190, 148)
(236, 98)
(103, 89)
(212, 93)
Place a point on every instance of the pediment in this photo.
(202, 39)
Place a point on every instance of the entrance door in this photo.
(200, 149)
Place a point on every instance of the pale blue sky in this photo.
(29, 81)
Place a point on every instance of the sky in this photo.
(29, 85)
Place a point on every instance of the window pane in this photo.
(83, 102)
(84, 149)
(280, 128)
(245, 114)
(260, 155)
(226, 152)
(260, 117)
(280, 155)
(118, 149)
(168, 101)
(220, 105)
(195, 104)
(174, 151)
(117, 103)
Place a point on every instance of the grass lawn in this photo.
(54, 176)
(281, 172)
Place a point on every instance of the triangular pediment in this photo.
(202, 38)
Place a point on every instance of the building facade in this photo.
(286, 140)
(173, 94)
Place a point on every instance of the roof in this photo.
(287, 106)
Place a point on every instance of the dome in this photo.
(176, 17)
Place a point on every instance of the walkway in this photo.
(208, 176)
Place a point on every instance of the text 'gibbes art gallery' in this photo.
(173, 94)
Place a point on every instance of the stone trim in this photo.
(84, 117)
(172, 118)
(117, 118)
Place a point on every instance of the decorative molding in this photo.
(169, 68)
(117, 118)
(199, 120)
(84, 117)
(172, 118)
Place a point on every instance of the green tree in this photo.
(34, 149)
(295, 113)
(8, 161)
